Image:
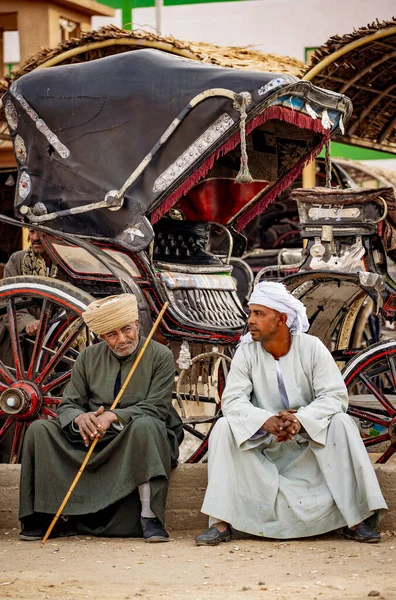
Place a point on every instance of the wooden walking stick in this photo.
(112, 407)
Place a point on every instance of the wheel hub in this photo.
(22, 400)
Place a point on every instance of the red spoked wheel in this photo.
(35, 369)
(371, 381)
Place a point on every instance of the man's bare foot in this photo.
(221, 526)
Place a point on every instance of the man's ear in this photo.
(283, 318)
(137, 324)
(102, 337)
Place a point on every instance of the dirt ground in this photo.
(326, 567)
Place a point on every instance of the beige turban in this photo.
(113, 312)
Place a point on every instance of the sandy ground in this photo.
(325, 567)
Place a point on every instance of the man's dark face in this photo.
(36, 243)
(264, 323)
(123, 341)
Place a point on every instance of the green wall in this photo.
(355, 153)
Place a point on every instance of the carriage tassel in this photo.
(241, 102)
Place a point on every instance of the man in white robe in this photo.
(285, 461)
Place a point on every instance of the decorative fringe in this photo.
(310, 111)
(341, 125)
(326, 121)
(273, 112)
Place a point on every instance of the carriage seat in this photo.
(196, 282)
(179, 241)
(219, 281)
(357, 211)
(334, 206)
(345, 197)
(208, 299)
(192, 268)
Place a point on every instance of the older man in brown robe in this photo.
(123, 489)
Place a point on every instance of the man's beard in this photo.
(129, 349)
(257, 336)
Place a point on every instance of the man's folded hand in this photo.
(273, 425)
(284, 425)
(291, 425)
(93, 425)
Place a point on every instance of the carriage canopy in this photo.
(81, 130)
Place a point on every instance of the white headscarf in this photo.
(276, 296)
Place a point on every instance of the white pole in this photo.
(158, 15)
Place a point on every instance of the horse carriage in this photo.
(138, 171)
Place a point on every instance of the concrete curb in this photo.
(186, 492)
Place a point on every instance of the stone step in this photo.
(186, 493)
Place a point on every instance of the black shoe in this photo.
(34, 535)
(212, 536)
(153, 531)
(62, 529)
(362, 533)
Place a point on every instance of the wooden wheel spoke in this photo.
(6, 425)
(6, 374)
(367, 416)
(14, 336)
(48, 412)
(60, 352)
(3, 387)
(39, 341)
(378, 394)
(51, 400)
(17, 441)
(392, 369)
(62, 379)
(376, 439)
(391, 449)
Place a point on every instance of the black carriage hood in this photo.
(79, 131)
